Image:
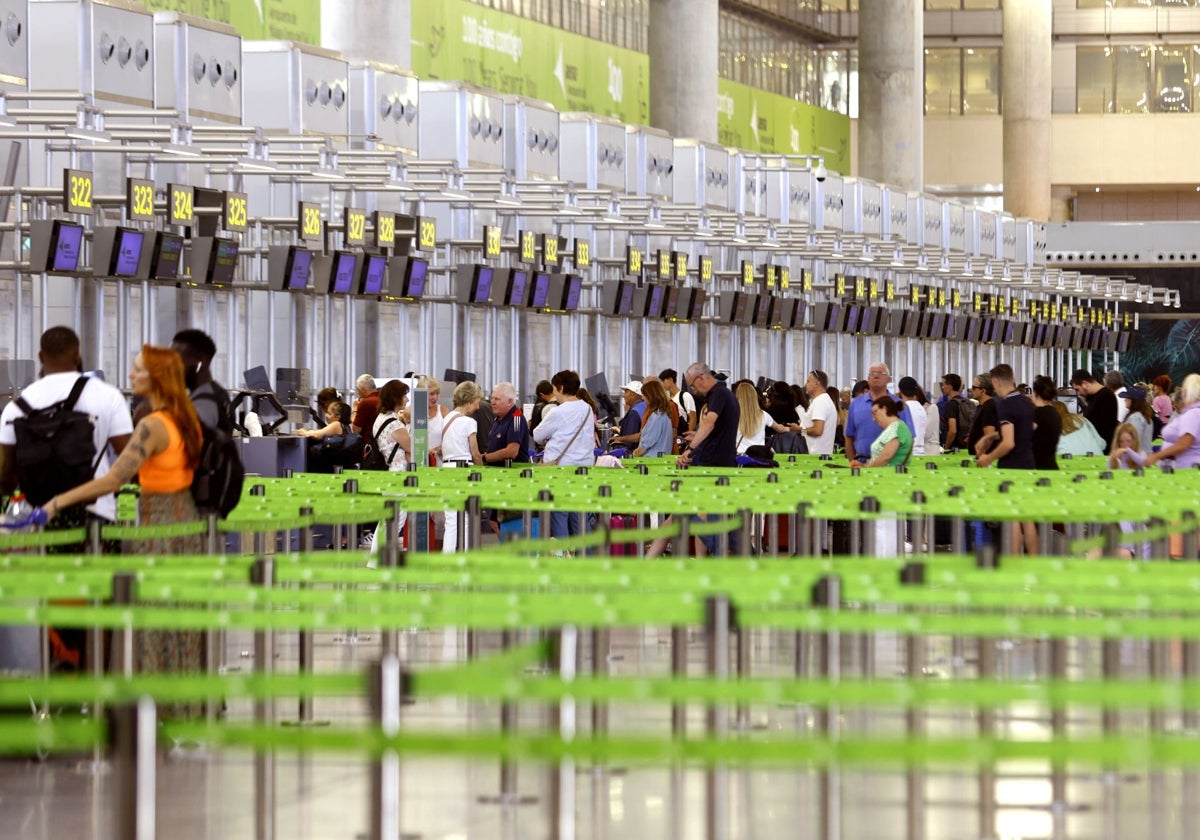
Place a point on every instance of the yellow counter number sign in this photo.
(426, 233)
(356, 226)
(550, 248)
(310, 221)
(633, 260)
(385, 229)
(491, 241)
(179, 205)
(528, 246)
(140, 198)
(236, 216)
(77, 190)
(706, 270)
(583, 254)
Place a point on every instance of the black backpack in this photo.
(372, 456)
(56, 447)
(217, 480)
(965, 417)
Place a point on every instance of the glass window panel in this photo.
(1173, 84)
(943, 82)
(1133, 80)
(1093, 80)
(981, 80)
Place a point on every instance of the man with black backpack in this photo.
(64, 429)
(210, 400)
(218, 477)
(960, 412)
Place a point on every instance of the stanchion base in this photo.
(507, 799)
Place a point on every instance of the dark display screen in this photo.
(373, 274)
(345, 267)
(625, 301)
(127, 252)
(541, 290)
(574, 290)
(168, 252)
(518, 287)
(672, 306)
(418, 273)
(225, 254)
(67, 243)
(298, 269)
(656, 302)
(740, 301)
(853, 318)
(483, 284)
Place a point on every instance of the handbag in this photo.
(554, 463)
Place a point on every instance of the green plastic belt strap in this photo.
(18, 736)
(1130, 752)
(154, 532)
(41, 539)
(175, 688)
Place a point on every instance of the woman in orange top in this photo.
(162, 453)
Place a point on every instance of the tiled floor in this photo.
(203, 796)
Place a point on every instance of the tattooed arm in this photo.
(149, 438)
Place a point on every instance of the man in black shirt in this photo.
(1101, 405)
(1011, 446)
(986, 422)
(714, 443)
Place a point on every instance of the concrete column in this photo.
(379, 30)
(890, 100)
(1025, 102)
(683, 67)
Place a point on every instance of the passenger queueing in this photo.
(460, 446)
(1102, 409)
(567, 436)
(861, 428)
(658, 430)
(819, 423)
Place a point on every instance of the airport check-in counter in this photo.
(597, 159)
(649, 162)
(384, 107)
(308, 90)
(956, 227)
(463, 123)
(531, 139)
(198, 69)
(893, 217)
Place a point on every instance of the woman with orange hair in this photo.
(162, 454)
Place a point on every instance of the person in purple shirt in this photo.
(1181, 437)
(861, 428)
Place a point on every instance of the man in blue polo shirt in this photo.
(861, 428)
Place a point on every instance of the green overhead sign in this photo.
(752, 119)
(456, 39)
(258, 20)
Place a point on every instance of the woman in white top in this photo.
(394, 441)
(568, 438)
(459, 446)
(753, 422)
(925, 439)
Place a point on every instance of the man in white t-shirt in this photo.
(822, 415)
(61, 367)
(681, 398)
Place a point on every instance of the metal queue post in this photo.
(262, 574)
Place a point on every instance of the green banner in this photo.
(457, 39)
(288, 20)
(752, 119)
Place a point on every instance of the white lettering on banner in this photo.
(795, 139)
(725, 105)
(616, 82)
(478, 33)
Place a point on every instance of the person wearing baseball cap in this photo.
(630, 431)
